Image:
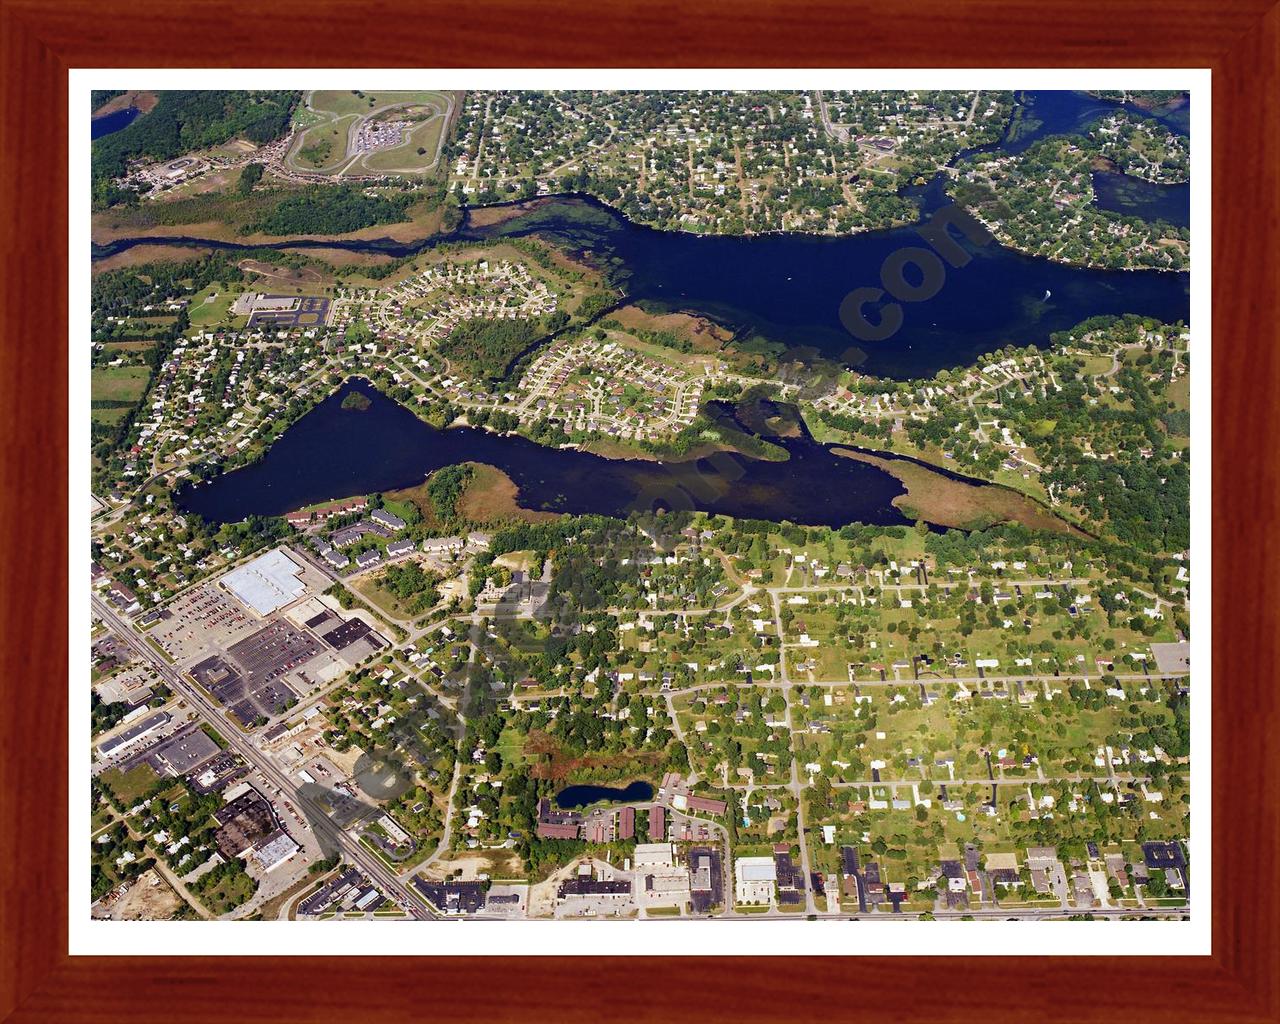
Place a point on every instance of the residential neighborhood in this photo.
(494, 516)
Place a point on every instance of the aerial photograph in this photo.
(650, 504)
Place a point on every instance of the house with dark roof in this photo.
(387, 519)
(556, 824)
(452, 898)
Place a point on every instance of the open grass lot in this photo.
(329, 115)
(511, 746)
(371, 589)
(109, 415)
(345, 101)
(211, 307)
(118, 383)
(1093, 365)
(323, 147)
(228, 893)
(129, 786)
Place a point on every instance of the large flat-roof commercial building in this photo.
(651, 855)
(755, 879)
(269, 582)
(133, 734)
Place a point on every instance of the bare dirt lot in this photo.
(150, 899)
(494, 863)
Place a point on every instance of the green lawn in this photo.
(118, 383)
(343, 101)
(210, 307)
(129, 786)
(324, 147)
(372, 590)
(109, 415)
(511, 746)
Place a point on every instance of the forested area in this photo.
(485, 348)
(331, 210)
(413, 586)
(186, 120)
(445, 488)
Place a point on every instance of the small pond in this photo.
(572, 797)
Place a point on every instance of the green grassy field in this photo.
(118, 383)
(228, 893)
(511, 746)
(129, 786)
(372, 590)
(324, 147)
(108, 415)
(1093, 365)
(342, 102)
(210, 307)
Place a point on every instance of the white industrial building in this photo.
(754, 879)
(269, 582)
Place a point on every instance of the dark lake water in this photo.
(1067, 112)
(113, 122)
(333, 452)
(573, 797)
(787, 288)
(1135, 197)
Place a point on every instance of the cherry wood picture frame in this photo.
(39, 41)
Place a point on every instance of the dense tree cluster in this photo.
(485, 348)
(186, 120)
(331, 210)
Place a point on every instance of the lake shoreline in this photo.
(944, 499)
